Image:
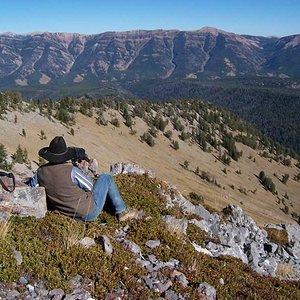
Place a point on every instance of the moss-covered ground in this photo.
(51, 253)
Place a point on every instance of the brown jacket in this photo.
(62, 194)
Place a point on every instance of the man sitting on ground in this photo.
(72, 192)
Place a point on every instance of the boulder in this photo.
(24, 202)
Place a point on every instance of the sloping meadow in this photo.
(50, 254)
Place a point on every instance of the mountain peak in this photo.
(212, 30)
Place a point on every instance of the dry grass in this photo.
(285, 270)
(278, 236)
(71, 235)
(4, 228)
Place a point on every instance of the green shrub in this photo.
(147, 137)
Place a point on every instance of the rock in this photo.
(207, 292)
(282, 254)
(152, 258)
(270, 247)
(87, 242)
(252, 253)
(78, 295)
(171, 295)
(22, 172)
(222, 282)
(24, 202)
(57, 293)
(131, 246)
(153, 244)
(270, 265)
(118, 295)
(175, 225)
(105, 243)
(75, 282)
(162, 287)
(143, 263)
(129, 168)
(293, 231)
(180, 277)
(235, 251)
(201, 250)
(203, 224)
(18, 257)
(30, 288)
(23, 280)
(10, 295)
(172, 263)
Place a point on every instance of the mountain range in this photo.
(46, 59)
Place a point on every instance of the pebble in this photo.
(153, 244)
(23, 280)
(105, 243)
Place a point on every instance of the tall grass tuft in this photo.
(4, 227)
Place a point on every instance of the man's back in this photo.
(62, 193)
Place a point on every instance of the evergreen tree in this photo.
(262, 176)
(3, 156)
(285, 178)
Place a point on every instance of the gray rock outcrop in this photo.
(24, 202)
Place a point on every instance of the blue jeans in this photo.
(105, 192)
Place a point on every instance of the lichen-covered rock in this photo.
(24, 202)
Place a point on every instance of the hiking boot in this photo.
(129, 213)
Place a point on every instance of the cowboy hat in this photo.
(57, 152)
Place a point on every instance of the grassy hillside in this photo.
(52, 255)
(214, 158)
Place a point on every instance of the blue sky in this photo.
(255, 17)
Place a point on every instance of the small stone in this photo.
(87, 242)
(152, 258)
(126, 228)
(173, 263)
(171, 295)
(201, 250)
(23, 280)
(12, 295)
(153, 244)
(162, 287)
(222, 281)
(143, 263)
(18, 257)
(57, 292)
(159, 266)
(131, 246)
(30, 288)
(207, 290)
(180, 277)
(105, 243)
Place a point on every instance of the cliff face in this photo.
(43, 58)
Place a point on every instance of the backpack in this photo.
(7, 181)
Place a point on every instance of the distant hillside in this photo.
(202, 150)
(267, 104)
(47, 60)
